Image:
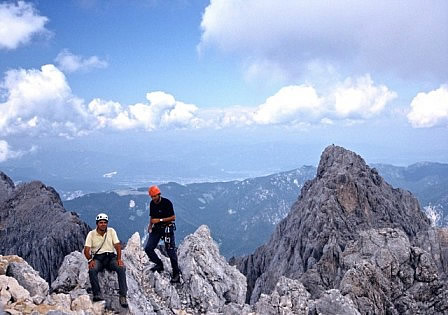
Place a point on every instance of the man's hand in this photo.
(149, 228)
(92, 264)
(120, 262)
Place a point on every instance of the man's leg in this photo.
(172, 254)
(93, 275)
(151, 244)
(121, 273)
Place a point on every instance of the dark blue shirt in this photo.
(163, 209)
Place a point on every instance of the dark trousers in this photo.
(153, 240)
(107, 261)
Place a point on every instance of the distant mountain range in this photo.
(427, 181)
(242, 214)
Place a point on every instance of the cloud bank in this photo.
(407, 38)
(41, 102)
(19, 22)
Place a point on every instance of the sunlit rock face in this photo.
(209, 283)
(338, 212)
(35, 226)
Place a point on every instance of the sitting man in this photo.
(99, 251)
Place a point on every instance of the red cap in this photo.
(153, 191)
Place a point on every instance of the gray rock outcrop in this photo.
(35, 226)
(387, 275)
(209, 283)
(209, 286)
(335, 209)
(212, 281)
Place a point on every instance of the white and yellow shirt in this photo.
(94, 241)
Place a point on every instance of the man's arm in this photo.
(88, 255)
(150, 225)
(118, 249)
(87, 252)
(168, 219)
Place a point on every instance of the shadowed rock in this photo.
(6, 186)
(35, 226)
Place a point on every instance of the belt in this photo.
(106, 254)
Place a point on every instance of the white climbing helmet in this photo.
(102, 216)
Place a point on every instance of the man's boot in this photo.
(123, 301)
(176, 277)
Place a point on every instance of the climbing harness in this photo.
(168, 237)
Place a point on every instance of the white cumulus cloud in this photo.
(291, 103)
(430, 109)
(360, 98)
(404, 37)
(161, 111)
(69, 62)
(19, 22)
(40, 101)
(355, 99)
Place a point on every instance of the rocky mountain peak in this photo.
(35, 226)
(346, 187)
(345, 199)
(335, 159)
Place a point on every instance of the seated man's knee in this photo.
(93, 272)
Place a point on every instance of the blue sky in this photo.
(369, 75)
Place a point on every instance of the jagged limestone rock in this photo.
(72, 273)
(28, 278)
(151, 293)
(334, 209)
(11, 290)
(435, 242)
(288, 297)
(209, 283)
(385, 273)
(212, 281)
(332, 302)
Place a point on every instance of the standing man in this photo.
(161, 225)
(99, 251)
